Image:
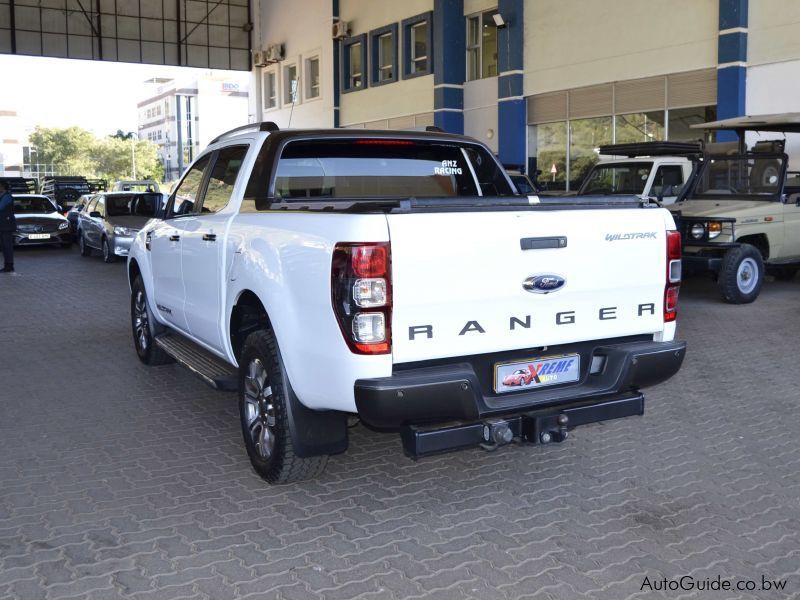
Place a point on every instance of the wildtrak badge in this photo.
(639, 235)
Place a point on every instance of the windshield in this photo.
(386, 168)
(622, 178)
(754, 177)
(133, 205)
(33, 206)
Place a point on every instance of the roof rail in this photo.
(263, 126)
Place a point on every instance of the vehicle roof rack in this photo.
(780, 122)
(652, 149)
(97, 185)
(20, 185)
(262, 126)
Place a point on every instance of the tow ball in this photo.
(525, 428)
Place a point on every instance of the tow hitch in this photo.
(535, 427)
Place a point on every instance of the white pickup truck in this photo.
(396, 276)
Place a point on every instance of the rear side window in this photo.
(382, 168)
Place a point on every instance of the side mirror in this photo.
(95, 215)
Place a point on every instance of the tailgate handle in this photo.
(540, 243)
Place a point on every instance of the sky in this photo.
(98, 96)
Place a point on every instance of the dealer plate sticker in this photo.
(536, 372)
(38, 236)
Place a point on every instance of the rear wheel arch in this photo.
(247, 316)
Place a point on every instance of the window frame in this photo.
(480, 16)
(286, 97)
(408, 48)
(346, 75)
(375, 38)
(307, 74)
(265, 73)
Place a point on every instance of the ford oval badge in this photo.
(544, 284)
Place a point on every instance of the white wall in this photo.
(219, 110)
(304, 29)
(480, 111)
(574, 43)
(772, 89)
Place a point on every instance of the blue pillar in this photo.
(449, 64)
(511, 111)
(732, 63)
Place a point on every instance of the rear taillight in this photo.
(361, 290)
(673, 286)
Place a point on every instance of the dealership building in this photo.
(539, 81)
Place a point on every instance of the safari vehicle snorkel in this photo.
(739, 217)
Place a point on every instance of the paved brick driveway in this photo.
(121, 481)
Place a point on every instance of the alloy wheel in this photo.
(259, 409)
(141, 324)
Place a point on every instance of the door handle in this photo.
(174, 237)
(210, 237)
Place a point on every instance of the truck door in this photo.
(203, 249)
(791, 224)
(166, 246)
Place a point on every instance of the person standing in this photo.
(8, 225)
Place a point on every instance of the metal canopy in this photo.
(782, 122)
(212, 34)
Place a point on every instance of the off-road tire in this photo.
(108, 254)
(147, 351)
(742, 275)
(85, 249)
(783, 273)
(281, 465)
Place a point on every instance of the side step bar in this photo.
(208, 367)
(541, 426)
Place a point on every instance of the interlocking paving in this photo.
(123, 481)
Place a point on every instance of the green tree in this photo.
(75, 151)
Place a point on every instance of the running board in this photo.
(208, 367)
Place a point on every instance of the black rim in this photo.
(259, 410)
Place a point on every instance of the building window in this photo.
(354, 61)
(384, 54)
(679, 120)
(291, 85)
(417, 45)
(312, 77)
(481, 46)
(639, 127)
(270, 89)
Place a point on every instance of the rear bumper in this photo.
(462, 390)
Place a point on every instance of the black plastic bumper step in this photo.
(208, 367)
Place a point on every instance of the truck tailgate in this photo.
(458, 279)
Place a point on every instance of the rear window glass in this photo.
(137, 205)
(382, 168)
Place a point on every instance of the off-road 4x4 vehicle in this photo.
(655, 170)
(740, 215)
(65, 190)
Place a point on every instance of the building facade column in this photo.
(732, 62)
(511, 106)
(449, 64)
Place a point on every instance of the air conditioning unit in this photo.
(341, 29)
(260, 59)
(274, 53)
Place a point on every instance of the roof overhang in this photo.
(782, 122)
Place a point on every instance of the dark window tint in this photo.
(137, 205)
(668, 181)
(382, 168)
(188, 191)
(33, 206)
(223, 177)
(491, 177)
